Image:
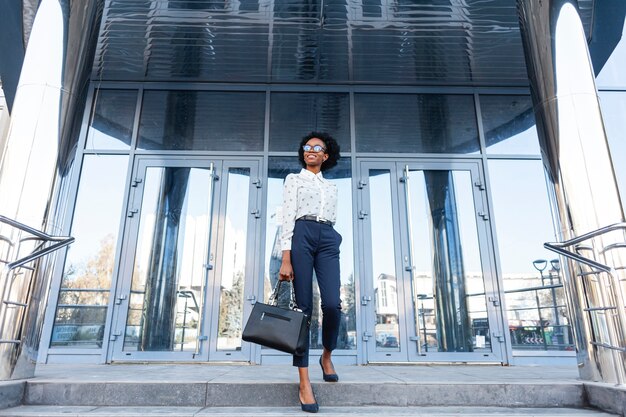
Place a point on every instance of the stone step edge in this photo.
(285, 394)
(84, 411)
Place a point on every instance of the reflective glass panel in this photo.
(448, 282)
(531, 275)
(293, 115)
(342, 176)
(384, 281)
(202, 120)
(424, 123)
(172, 246)
(613, 112)
(233, 267)
(509, 125)
(84, 293)
(306, 53)
(612, 73)
(111, 124)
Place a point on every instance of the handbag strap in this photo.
(292, 300)
(292, 296)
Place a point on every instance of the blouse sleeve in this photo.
(290, 208)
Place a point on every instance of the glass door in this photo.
(429, 292)
(188, 260)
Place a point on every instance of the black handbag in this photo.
(284, 329)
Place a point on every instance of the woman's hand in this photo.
(286, 270)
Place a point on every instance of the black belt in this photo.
(316, 219)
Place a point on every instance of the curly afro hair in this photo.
(332, 149)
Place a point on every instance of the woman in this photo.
(309, 243)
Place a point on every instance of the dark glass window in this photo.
(425, 123)
(611, 74)
(202, 120)
(111, 124)
(196, 5)
(293, 115)
(371, 8)
(509, 125)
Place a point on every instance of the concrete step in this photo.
(166, 389)
(278, 394)
(329, 411)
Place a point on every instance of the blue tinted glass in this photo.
(509, 125)
(293, 115)
(531, 275)
(611, 73)
(84, 293)
(202, 120)
(112, 120)
(613, 112)
(425, 123)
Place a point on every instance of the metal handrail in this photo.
(39, 250)
(61, 241)
(15, 294)
(559, 247)
(609, 296)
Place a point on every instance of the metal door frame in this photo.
(402, 249)
(210, 311)
(253, 256)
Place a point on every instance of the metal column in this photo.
(574, 150)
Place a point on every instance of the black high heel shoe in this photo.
(309, 408)
(328, 377)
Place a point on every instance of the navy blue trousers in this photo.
(315, 246)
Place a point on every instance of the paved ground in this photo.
(285, 374)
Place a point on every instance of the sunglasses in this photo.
(314, 148)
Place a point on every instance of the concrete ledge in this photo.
(447, 395)
(292, 411)
(263, 394)
(607, 397)
(11, 393)
(116, 394)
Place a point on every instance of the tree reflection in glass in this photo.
(84, 293)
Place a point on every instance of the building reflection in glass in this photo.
(171, 249)
(385, 283)
(230, 325)
(447, 283)
(535, 299)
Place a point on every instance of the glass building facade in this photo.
(172, 182)
(436, 263)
